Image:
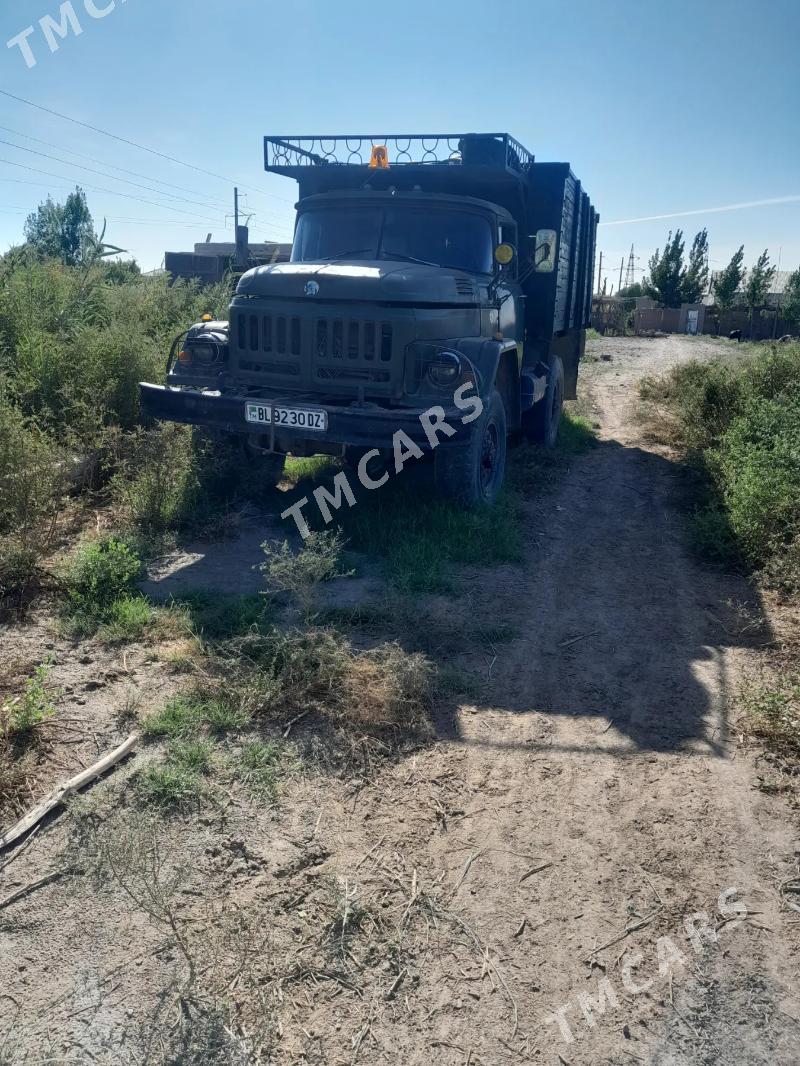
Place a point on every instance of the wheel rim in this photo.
(490, 456)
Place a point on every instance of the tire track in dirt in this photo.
(608, 752)
(598, 788)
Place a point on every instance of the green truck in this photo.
(438, 293)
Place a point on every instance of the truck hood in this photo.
(378, 280)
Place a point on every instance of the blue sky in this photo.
(660, 108)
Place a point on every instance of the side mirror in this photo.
(544, 256)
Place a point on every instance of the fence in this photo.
(767, 323)
(612, 316)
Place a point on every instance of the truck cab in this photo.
(408, 291)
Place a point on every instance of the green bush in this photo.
(297, 574)
(100, 589)
(759, 476)
(34, 706)
(156, 484)
(126, 619)
(740, 422)
(101, 572)
(32, 474)
(74, 344)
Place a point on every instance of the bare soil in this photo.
(550, 844)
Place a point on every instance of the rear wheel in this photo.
(542, 422)
(473, 472)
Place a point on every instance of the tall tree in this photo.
(666, 270)
(694, 280)
(63, 231)
(727, 282)
(632, 290)
(790, 308)
(757, 285)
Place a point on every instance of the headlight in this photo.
(444, 368)
(432, 363)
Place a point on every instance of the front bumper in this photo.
(368, 425)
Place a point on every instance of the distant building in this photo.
(210, 262)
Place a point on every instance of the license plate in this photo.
(290, 417)
(258, 412)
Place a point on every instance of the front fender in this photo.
(485, 356)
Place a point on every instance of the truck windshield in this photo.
(457, 239)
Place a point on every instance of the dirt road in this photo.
(609, 752)
(520, 890)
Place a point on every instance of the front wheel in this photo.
(541, 424)
(473, 472)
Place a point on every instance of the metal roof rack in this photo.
(294, 156)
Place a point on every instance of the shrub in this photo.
(759, 474)
(35, 705)
(101, 572)
(74, 344)
(740, 423)
(100, 587)
(32, 476)
(19, 563)
(298, 573)
(126, 619)
(156, 483)
(773, 711)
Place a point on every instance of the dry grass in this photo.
(318, 669)
(772, 710)
(216, 1004)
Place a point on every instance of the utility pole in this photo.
(621, 268)
(242, 235)
(599, 273)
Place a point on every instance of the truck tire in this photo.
(541, 423)
(473, 472)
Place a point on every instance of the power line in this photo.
(22, 212)
(109, 192)
(217, 204)
(115, 137)
(132, 144)
(102, 162)
(90, 170)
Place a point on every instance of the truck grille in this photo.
(269, 333)
(300, 350)
(338, 339)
